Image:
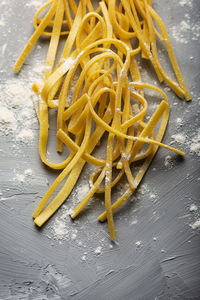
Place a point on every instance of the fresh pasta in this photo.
(102, 45)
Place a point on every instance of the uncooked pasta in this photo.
(103, 45)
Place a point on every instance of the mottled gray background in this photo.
(37, 264)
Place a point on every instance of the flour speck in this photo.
(83, 258)
(168, 162)
(196, 224)
(179, 138)
(138, 244)
(186, 3)
(7, 120)
(195, 144)
(20, 177)
(98, 250)
(193, 208)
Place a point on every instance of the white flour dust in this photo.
(35, 4)
(17, 113)
(196, 224)
(193, 208)
(23, 177)
(8, 121)
(191, 141)
(179, 138)
(186, 3)
(168, 162)
(186, 30)
(138, 244)
(98, 250)
(195, 144)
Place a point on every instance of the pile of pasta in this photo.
(102, 45)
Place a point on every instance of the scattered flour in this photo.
(134, 222)
(138, 244)
(196, 31)
(26, 114)
(179, 121)
(188, 3)
(17, 110)
(152, 196)
(83, 258)
(60, 228)
(82, 190)
(40, 69)
(195, 148)
(28, 172)
(168, 162)
(193, 207)
(73, 236)
(25, 136)
(179, 32)
(16, 93)
(196, 224)
(186, 29)
(143, 189)
(195, 144)
(20, 177)
(7, 120)
(185, 25)
(179, 138)
(98, 250)
(192, 144)
(34, 3)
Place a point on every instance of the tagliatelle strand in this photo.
(35, 37)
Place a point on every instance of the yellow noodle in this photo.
(99, 45)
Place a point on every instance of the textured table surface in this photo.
(157, 254)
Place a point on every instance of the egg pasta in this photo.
(109, 101)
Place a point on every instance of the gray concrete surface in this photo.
(38, 264)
